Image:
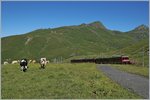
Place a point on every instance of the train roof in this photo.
(114, 56)
(119, 56)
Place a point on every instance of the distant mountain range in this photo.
(68, 41)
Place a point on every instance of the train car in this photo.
(83, 60)
(125, 60)
(111, 60)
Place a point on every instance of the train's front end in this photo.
(125, 60)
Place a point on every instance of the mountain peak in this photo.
(97, 24)
(141, 28)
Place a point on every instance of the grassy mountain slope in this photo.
(138, 52)
(68, 41)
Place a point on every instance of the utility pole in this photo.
(143, 56)
(61, 59)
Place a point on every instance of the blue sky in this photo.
(25, 16)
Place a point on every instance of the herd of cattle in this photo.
(24, 63)
(18, 61)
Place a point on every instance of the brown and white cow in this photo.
(43, 62)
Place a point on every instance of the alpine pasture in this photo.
(68, 81)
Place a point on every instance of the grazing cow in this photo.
(34, 61)
(30, 61)
(23, 64)
(43, 62)
(5, 63)
(14, 62)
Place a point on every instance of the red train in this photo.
(111, 60)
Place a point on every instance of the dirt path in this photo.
(136, 83)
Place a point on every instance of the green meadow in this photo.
(65, 81)
(134, 69)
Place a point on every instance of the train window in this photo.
(125, 58)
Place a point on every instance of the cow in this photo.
(34, 61)
(5, 63)
(23, 65)
(43, 62)
(30, 61)
(14, 62)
